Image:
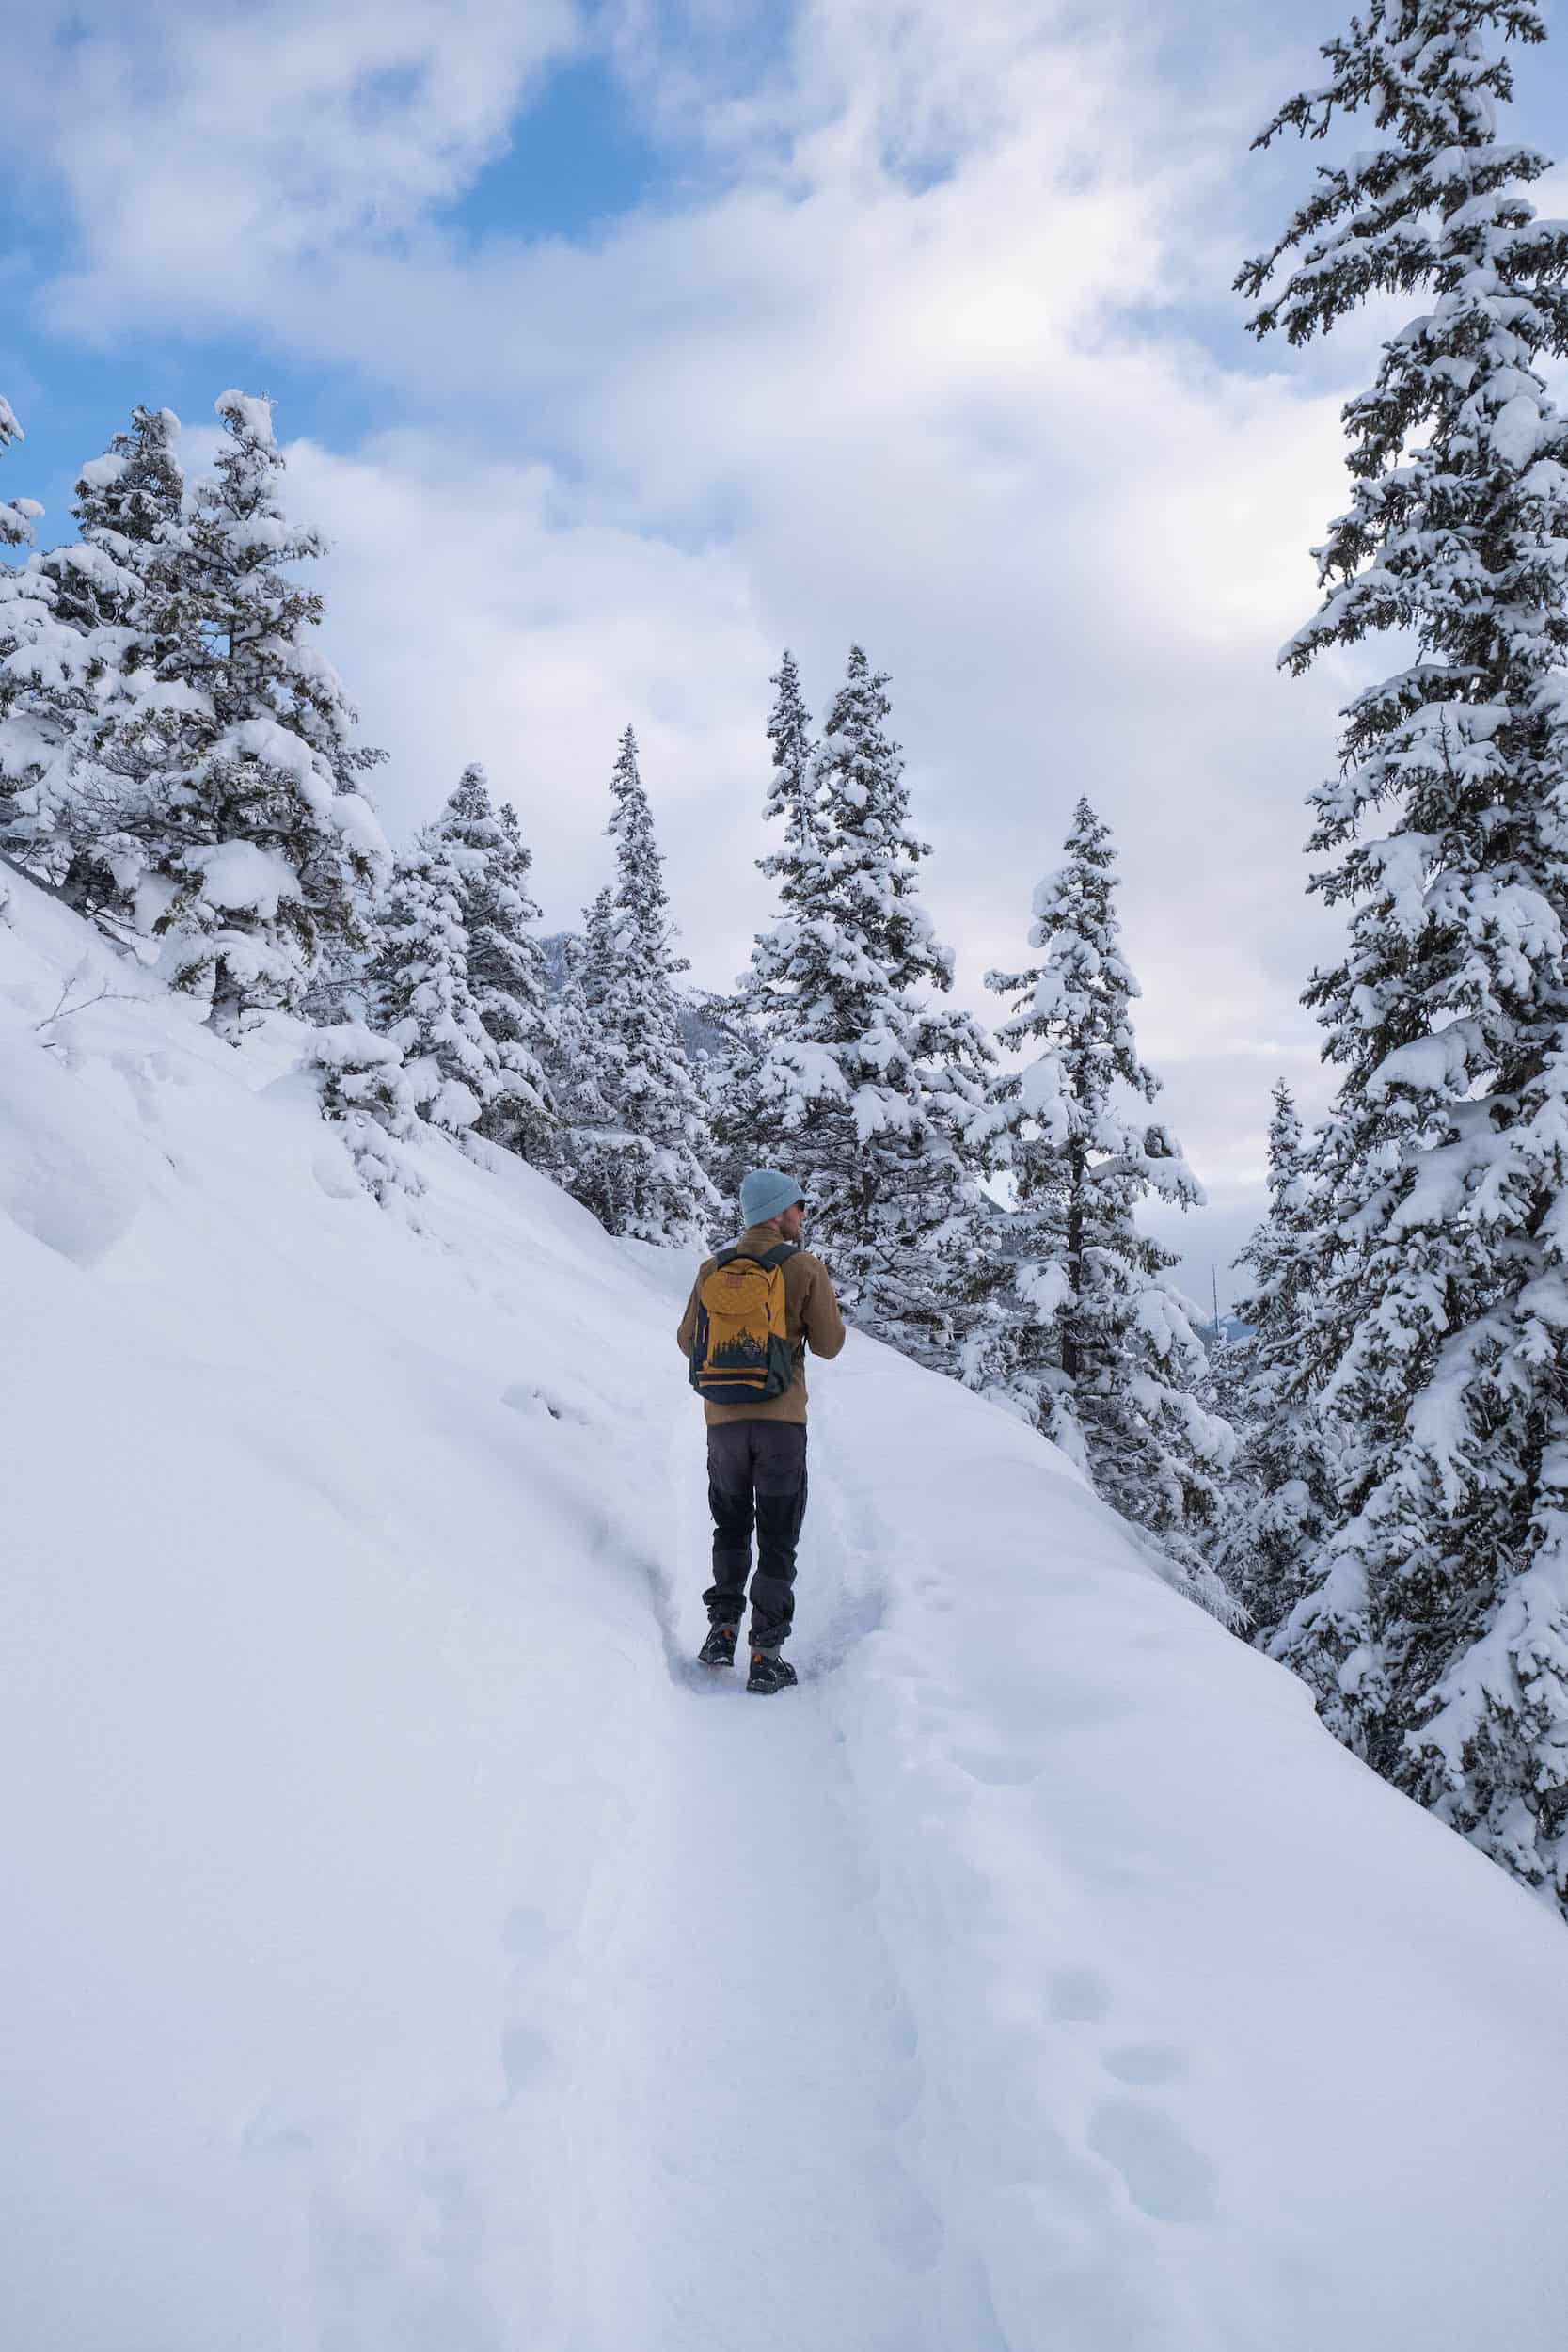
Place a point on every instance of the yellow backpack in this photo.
(741, 1353)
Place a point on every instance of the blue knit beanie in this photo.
(764, 1194)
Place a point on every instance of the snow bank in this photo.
(406, 1948)
(1234, 2046)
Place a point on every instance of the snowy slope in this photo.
(406, 1952)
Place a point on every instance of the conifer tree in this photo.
(1100, 1345)
(1279, 1499)
(244, 843)
(127, 504)
(366, 1089)
(424, 1000)
(46, 684)
(639, 1137)
(128, 508)
(747, 1125)
(794, 797)
(27, 608)
(505, 962)
(1435, 1626)
(869, 1087)
(582, 1068)
(728, 1075)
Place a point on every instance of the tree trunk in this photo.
(227, 1016)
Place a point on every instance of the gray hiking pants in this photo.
(757, 1476)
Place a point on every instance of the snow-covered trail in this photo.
(406, 1950)
(758, 2058)
(751, 2061)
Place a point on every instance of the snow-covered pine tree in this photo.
(747, 1131)
(505, 962)
(638, 1141)
(1278, 1502)
(583, 1070)
(25, 607)
(868, 1086)
(421, 989)
(367, 1090)
(1008, 1266)
(1101, 1347)
(794, 796)
(128, 508)
(727, 1067)
(46, 686)
(1434, 1628)
(127, 502)
(246, 844)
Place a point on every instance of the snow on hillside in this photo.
(406, 1952)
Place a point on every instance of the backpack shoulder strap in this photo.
(770, 1259)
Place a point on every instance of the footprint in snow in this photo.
(536, 1402)
(906, 2223)
(527, 1934)
(526, 2055)
(1145, 2062)
(1078, 1996)
(1165, 2176)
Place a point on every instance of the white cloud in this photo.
(475, 620)
(208, 151)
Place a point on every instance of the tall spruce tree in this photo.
(1097, 1341)
(128, 507)
(26, 612)
(795, 794)
(422, 992)
(747, 1125)
(583, 1069)
(47, 686)
(505, 961)
(1279, 1501)
(1435, 1626)
(640, 1135)
(243, 842)
(127, 503)
(869, 1088)
(727, 1070)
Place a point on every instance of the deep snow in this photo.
(406, 1950)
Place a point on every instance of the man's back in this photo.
(811, 1320)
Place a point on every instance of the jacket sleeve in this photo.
(686, 1331)
(820, 1318)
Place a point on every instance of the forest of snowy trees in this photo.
(1373, 1482)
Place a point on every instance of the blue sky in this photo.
(618, 346)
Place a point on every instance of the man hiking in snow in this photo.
(754, 1311)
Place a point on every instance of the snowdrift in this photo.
(406, 1952)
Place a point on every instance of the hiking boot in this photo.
(770, 1672)
(719, 1649)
